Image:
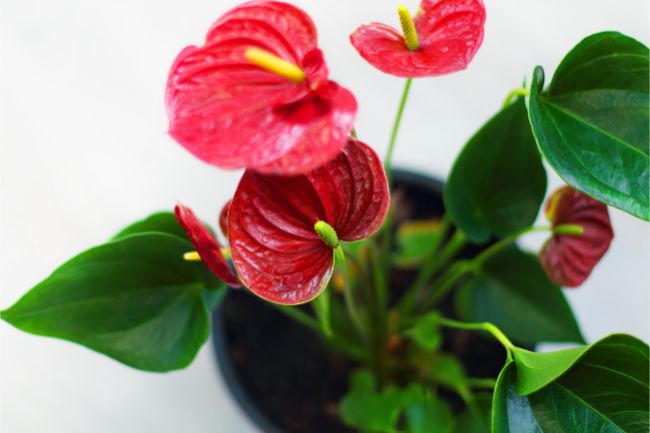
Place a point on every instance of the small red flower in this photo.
(273, 223)
(206, 245)
(227, 108)
(569, 256)
(442, 38)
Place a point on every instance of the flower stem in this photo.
(484, 326)
(515, 93)
(350, 304)
(396, 125)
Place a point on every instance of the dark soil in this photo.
(285, 378)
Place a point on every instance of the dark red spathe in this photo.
(275, 250)
(233, 114)
(569, 259)
(450, 33)
(206, 245)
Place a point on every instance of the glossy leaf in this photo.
(592, 124)
(498, 182)
(162, 222)
(512, 291)
(450, 33)
(415, 240)
(275, 248)
(604, 390)
(134, 299)
(568, 259)
(232, 113)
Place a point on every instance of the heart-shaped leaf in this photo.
(134, 299)
(512, 291)
(498, 182)
(592, 124)
(603, 390)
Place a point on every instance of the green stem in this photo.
(515, 93)
(504, 243)
(396, 125)
(481, 382)
(350, 304)
(484, 326)
(455, 244)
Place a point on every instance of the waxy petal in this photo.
(233, 114)
(206, 245)
(569, 259)
(223, 218)
(450, 33)
(275, 249)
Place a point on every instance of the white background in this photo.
(84, 152)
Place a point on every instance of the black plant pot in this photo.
(283, 376)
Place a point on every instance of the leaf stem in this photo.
(484, 326)
(339, 256)
(513, 94)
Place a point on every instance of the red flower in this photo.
(227, 108)
(273, 223)
(443, 38)
(206, 245)
(582, 235)
(223, 218)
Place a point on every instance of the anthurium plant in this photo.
(311, 229)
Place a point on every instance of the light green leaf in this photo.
(425, 332)
(415, 241)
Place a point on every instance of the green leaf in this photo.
(164, 222)
(592, 125)
(365, 408)
(512, 291)
(536, 370)
(604, 390)
(447, 370)
(425, 332)
(134, 299)
(415, 240)
(476, 418)
(429, 415)
(498, 182)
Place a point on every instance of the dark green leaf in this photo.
(425, 332)
(164, 222)
(415, 241)
(592, 125)
(498, 182)
(134, 299)
(512, 291)
(604, 390)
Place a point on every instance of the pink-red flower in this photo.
(227, 108)
(273, 222)
(582, 235)
(447, 35)
(207, 246)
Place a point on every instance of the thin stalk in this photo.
(515, 93)
(455, 244)
(350, 304)
(396, 125)
(484, 326)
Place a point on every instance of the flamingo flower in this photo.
(257, 94)
(283, 230)
(441, 39)
(207, 247)
(582, 235)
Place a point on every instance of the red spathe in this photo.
(233, 114)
